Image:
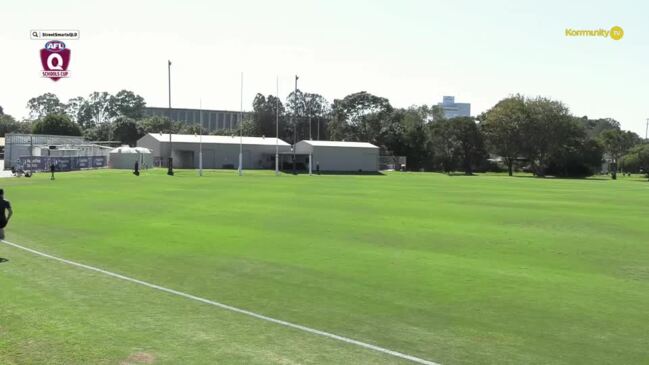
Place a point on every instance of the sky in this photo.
(409, 51)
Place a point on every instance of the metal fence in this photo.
(37, 152)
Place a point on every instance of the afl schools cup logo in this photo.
(55, 58)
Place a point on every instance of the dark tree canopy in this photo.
(266, 111)
(10, 125)
(128, 104)
(502, 126)
(360, 117)
(126, 131)
(56, 124)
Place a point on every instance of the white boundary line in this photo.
(231, 308)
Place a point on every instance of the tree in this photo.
(128, 104)
(265, 114)
(444, 145)
(595, 127)
(2, 112)
(126, 130)
(189, 128)
(407, 134)
(617, 142)
(437, 112)
(469, 145)
(45, 104)
(501, 126)
(56, 124)
(248, 127)
(101, 107)
(155, 124)
(637, 159)
(101, 132)
(643, 158)
(77, 109)
(316, 110)
(547, 128)
(363, 116)
(580, 158)
(338, 129)
(296, 110)
(9, 125)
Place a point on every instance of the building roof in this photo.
(339, 144)
(127, 149)
(192, 138)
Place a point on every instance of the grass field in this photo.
(455, 270)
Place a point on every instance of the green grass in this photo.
(457, 270)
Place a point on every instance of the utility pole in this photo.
(295, 123)
(277, 127)
(170, 163)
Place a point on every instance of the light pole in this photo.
(200, 139)
(241, 131)
(646, 131)
(307, 108)
(170, 163)
(295, 123)
(277, 127)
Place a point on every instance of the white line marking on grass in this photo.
(231, 308)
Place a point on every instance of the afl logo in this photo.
(55, 46)
(55, 59)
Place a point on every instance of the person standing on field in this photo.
(52, 168)
(4, 218)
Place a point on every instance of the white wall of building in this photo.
(218, 151)
(341, 156)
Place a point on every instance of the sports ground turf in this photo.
(455, 270)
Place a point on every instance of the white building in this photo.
(340, 156)
(218, 151)
(452, 109)
(125, 157)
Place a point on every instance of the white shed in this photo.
(340, 156)
(125, 157)
(219, 152)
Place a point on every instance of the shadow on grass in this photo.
(2, 259)
(529, 176)
(347, 173)
(589, 178)
(460, 174)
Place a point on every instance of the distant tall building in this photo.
(452, 109)
(213, 120)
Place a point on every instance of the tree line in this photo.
(537, 135)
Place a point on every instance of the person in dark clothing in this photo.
(317, 167)
(136, 169)
(52, 169)
(5, 207)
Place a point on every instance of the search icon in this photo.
(54, 34)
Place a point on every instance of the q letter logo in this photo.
(55, 58)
